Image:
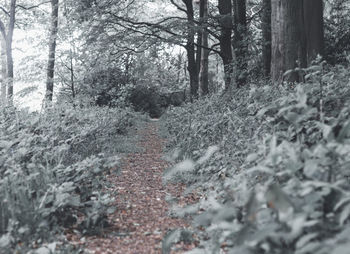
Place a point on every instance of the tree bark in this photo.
(199, 36)
(9, 39)
(52, 51)
(266, 37)
(313, 19)
(3, 77)
(288, 39)
(240, 41)
(71, 69)
(192, 67)
(204, 66)
(225, 22)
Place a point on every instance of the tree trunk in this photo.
(313, 19)
(266, 37)
(192, 67)
(199, 36)
(9, 40)
(204, 67)
(288, 39)
(3, 77)
(225, 22)
(52, 51)
(71, 69)
(240, 41)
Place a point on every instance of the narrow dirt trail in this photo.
(141, 219)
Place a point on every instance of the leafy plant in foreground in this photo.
(279, 181)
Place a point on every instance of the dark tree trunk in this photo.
(199, 37)
(204, 67)
(288, 39)
(313, 19)
(266, 37)
(226, 26)
(240, 41)
(52, 51)
(192, 67)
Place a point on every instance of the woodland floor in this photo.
(142, 216)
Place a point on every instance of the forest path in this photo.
(141, 219)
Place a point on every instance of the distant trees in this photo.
(253, 39)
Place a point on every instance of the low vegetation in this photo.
(271, 166)
(52, 169)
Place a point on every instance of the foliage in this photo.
(277, 180)
(51, 169)
(337, 31)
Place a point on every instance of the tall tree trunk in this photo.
(225, 22)
(71, 69)
(9, 39)
(266, 37)
(199, 36)
(313, 19)
(192, 67)
(240, 41)
(52, 51)
(3, 73)
(204, 66)
(288, 39)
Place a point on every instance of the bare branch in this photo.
(27, 8)
(178, 6)
(5, 11)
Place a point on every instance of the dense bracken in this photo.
(271, 165)
(52, 167)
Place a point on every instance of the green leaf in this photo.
(252, 157)
(341, 203)
(210, 151)
(184, 166)
(169, 239)
(277, 199)
(305, 239)
(5, 241)
(310, 168)
(344, 214)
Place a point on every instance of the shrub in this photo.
(51, 167)
(278, 180)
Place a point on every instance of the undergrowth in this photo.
(271, 165)
(52, 167)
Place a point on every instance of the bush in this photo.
(275, 176)
(51, 168)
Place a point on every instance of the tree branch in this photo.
(6, 12)
(31, 7)
(178, 6)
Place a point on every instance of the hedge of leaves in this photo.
(51, 168)
(271, 165)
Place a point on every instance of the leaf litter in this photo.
(141, 219)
